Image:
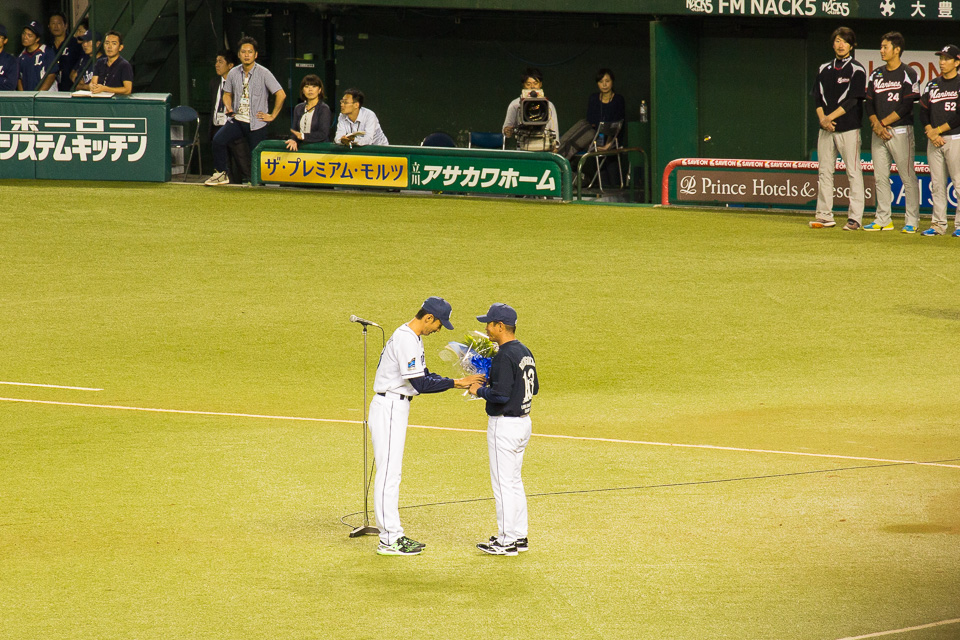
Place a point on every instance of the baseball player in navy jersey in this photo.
(891, 93)
(513, 383)
(940, 118)
(401, 375)
(838, 92)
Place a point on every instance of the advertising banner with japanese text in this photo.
(417, 169)
(331, 169)
(57, 136)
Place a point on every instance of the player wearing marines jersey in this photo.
(838, 94)
(513, 383)
(939, 115)
(401, 375)
(891, 93)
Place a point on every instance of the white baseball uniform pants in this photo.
(388, 431)
(898, 149)
(506, 440)
(943, 161)
(847, 144)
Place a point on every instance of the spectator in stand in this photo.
(57, 25)
(357, 124)
(9, 67)
(606, 106)
(37, 69)
(112, 73)
(238, 163)
(84, 67)
(312, 117)
(245, 96)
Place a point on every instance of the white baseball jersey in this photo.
(403, 358)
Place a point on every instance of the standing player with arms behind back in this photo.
(891, 93)
(401, 375)
(939, 115)
(513, 383)
(838, 92)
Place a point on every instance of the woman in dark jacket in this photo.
(606, 106)
(311, 118)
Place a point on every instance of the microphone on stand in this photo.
(365, 323)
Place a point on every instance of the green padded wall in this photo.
(674, 66)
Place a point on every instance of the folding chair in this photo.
(609, 131)
(185, 115)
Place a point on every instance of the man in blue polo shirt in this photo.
(9, 68)
(111, 73)
(37, 68)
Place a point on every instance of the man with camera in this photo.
(531, 117)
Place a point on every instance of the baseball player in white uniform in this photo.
(401, 375)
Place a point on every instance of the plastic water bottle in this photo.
(644, 116)
(601, 139)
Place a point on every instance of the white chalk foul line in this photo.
(180, 411)
(904, 630)
(538, 435)
(49, 386)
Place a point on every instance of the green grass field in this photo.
(747, 333)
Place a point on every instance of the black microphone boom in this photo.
(365, 323)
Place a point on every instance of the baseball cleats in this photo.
(956, 234)
(932, 231)
(410, 542)
(495, 548)
(909, 228)
(876, 226)
(822, 223)
(522, 544)
(218, 178)
(852, 225)
(398, 549)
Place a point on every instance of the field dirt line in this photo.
(456, 429)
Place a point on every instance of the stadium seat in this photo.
(185, 115)
(438, 139)
(485, 140)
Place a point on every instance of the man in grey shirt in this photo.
(246, 92)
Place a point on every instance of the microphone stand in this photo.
(365, 529)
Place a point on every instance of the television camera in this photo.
(534, 116)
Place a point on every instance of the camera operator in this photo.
(532, 87)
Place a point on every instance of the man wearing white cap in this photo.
(401, 375)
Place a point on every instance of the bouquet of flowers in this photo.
(471, 356)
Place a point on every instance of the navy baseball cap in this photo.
(89, 36)
(35, 27)
(500, 312)
(3, 31)
(440, 309)
(950, 51)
